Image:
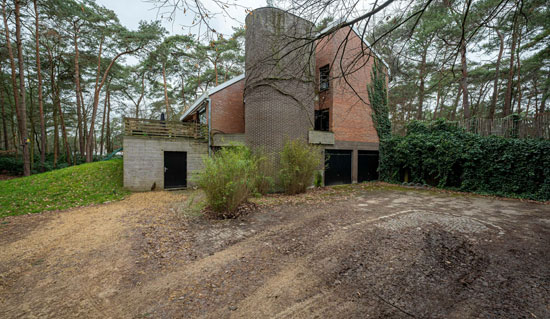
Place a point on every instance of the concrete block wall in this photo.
(144, 160)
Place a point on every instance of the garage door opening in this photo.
(175, 170)
(338, 167)
(367, 166)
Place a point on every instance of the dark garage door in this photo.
(367, 166)
(175, 169)
(338, 167)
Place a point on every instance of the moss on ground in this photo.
(74, 186)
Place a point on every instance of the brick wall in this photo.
(228, 109)
(279, 90)
(350, 112)
(144, 160)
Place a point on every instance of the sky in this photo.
(130, 12)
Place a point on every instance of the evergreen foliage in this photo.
(378, 98)
(442, 155)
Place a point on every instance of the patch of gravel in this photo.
(418, 218)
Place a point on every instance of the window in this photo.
(322, 120)
(324, 73)
(202, 116)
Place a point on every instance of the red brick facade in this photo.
(350, 113)
(228, 109)
(269, 116)
(349, 109)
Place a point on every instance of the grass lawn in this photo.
(73, 186)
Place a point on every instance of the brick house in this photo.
(284, 94)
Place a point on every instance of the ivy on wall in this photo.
(442, 155)
(378, 98)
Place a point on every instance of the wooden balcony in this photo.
(164, 129)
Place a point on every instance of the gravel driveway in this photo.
(364, 252)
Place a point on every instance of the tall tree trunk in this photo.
(493, 106)
(4, 125)
(536, 95)
(31, 119)
(40, 98)
(107, 90)
(464, 80)
(437, 101)
(482, 94)
(508, 95)
(14, 136)
(519, 97)
(528, 104)
(142, 94)
(13, 73)
(55, 134)
(455, 104)
(78, 90)
(421, 87)
(57, 104)
(97, 91)
(545, 94)
(103, 122)
(64, 132)
(84, 112)
(166, 102)
(108, 130)
(22, 120)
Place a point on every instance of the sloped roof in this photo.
(213, 90)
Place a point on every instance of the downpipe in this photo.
(209, 127)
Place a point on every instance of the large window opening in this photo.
(322, 120)
(202, 116)
(324, 73)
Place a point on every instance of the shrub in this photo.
(11, 165)
(318, 179)
(228, 179)
(299, 161)
(443, 155)
(263, 176)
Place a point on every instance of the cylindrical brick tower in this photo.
(279, 91)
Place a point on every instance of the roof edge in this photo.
(207, 94)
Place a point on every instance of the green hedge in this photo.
(14, 166)
(442, 155)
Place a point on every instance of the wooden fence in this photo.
(168, 129)
(511, 126)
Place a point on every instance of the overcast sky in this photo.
(130, 12)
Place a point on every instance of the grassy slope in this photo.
(64, 188)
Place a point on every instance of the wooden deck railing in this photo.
(168, 129)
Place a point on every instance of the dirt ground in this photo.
(374, 253)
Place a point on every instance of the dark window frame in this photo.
(324, 78)
(322, 120)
